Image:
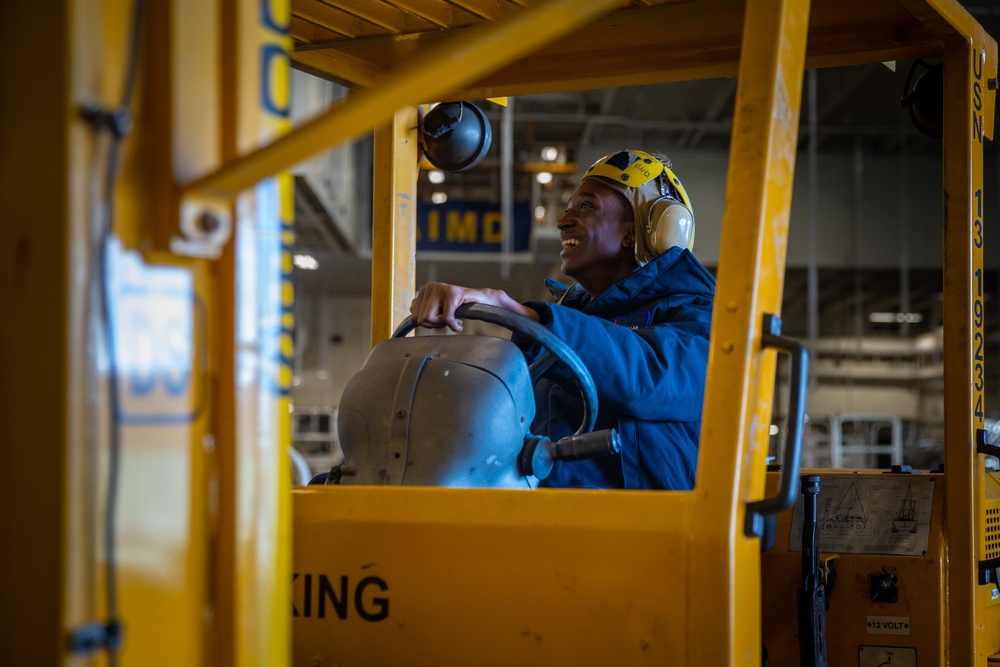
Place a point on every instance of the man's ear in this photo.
(629, 240)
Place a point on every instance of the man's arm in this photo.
(435, 304)
(655, 372)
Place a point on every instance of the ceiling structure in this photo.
(356, 43)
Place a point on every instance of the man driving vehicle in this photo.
(638, 316)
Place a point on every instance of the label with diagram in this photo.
(887, 656)
(870, 515)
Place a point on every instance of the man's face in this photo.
(598, 244)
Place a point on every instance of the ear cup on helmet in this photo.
(670, 224)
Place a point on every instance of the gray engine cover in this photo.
(437, 411)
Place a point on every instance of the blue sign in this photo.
(470, 227)
(159, 331)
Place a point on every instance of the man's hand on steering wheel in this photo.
(435, 304)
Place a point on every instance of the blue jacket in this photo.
(645, 342)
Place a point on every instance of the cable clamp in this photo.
(118, 121)
(93, 637)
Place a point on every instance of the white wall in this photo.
(334, 340)
(882, 230)
(828, 400)
(331, 174)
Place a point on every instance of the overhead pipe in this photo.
(857, 218)
(904, 237)
(705, 126)
(506, 188)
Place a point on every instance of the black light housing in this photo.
(455, 136)
(925, 99)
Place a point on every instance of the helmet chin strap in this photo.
(565, 294)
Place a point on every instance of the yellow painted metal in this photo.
(381, 14)
(739, 389)
(437, 13)
(181, 54)
(262, 478)
(168, 347)
(163, 329)
(163, 522)
(260, 344)
(988, 544)
(320, 62)
(922, 600)
(484, 9)
(703, 41)
(531, 578)
(967, 65)
(494, 577)
(394, 222)
(224, 400)
(426, 78)
(59, 427)
(327, 17)
(42, 381)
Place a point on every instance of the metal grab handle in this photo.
(798, 382)
(539, 453)
(588, 445)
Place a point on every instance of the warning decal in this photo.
(872, 515)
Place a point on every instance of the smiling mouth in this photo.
(570, 243)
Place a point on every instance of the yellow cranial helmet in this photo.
(660, 206)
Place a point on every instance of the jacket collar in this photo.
(674, 272)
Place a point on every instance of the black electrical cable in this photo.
(118, 122)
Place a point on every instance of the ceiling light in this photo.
(550, 153)
(539, 212)
(307, 262)
(439, 197)
(435, 176)
(895, 318)
(544, 177)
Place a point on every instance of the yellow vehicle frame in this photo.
(463, 576)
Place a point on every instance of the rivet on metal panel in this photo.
(205, 227)
(732, 306)
(727, 347)
(208, 223)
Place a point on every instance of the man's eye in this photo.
(586, 204)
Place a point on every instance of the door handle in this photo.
(792, 459)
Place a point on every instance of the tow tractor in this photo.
(165, 217)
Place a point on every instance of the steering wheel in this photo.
(557, 351)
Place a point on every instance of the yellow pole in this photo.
(394, 222)
(751, 271)
(41, 379)
(965, 81)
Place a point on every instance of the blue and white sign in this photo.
(155, 332)
(470, 227)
